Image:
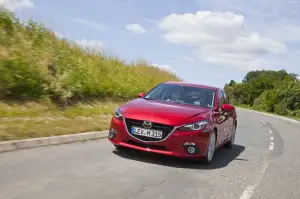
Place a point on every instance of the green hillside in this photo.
(36, 64)
(39, 72)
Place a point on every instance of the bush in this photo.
(266, 101)
(281, 109)
(296, 113)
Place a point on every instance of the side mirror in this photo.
(141, 95)
(227, 108)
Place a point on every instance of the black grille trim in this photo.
(155, 147)
(166, 129)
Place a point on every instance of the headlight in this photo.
(118, 114)
(195, 126)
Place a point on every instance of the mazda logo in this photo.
(147, 124)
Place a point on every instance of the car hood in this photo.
(163, 112)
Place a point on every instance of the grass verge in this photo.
(42, 119)
(21, 120)
(251, 108)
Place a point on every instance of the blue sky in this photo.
(203, 41)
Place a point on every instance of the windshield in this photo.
(183, 95)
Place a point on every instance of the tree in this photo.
(268, 90)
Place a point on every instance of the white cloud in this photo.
(244, 64)
(201, 27)
(221, 38)
(135, 29)
(91, 24)
(91, 44)
(14, 5)
(279, 19)
(163, 67)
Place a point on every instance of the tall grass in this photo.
(36, 64)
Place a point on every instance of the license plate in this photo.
(146, 132)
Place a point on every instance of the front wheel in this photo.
(230, 143)
(210, 149)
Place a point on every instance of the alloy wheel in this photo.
(211, 147)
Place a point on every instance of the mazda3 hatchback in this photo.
(177, 119)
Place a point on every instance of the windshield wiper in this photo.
(149, 98)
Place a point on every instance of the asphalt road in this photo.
(264, 164)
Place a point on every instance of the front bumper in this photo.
(176, 144)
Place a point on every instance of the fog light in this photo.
(189, 144)
(112, 133)
(191, 149)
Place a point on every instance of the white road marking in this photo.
(248, 192)
(271, 147)
(263, 122)
(270, 131)
(271, 138)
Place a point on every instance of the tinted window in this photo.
(182, 94)
(222, 99)
(227, 100)
(225, 97)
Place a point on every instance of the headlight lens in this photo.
(195, 126)
(118, 114)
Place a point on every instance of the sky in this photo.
(203, 41)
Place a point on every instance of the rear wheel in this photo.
(210, 149)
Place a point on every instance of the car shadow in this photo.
(221, 159)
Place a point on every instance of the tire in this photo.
(211, 147)
(230, 143)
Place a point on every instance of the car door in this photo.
(228, 118)
(220, 119)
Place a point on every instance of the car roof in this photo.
(193, 85)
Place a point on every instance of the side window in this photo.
(227, 98)
(221, 98)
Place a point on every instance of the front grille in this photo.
(166, 129)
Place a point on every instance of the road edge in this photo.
(13, 145)
(272, 115)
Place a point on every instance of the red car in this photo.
(178, 119)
